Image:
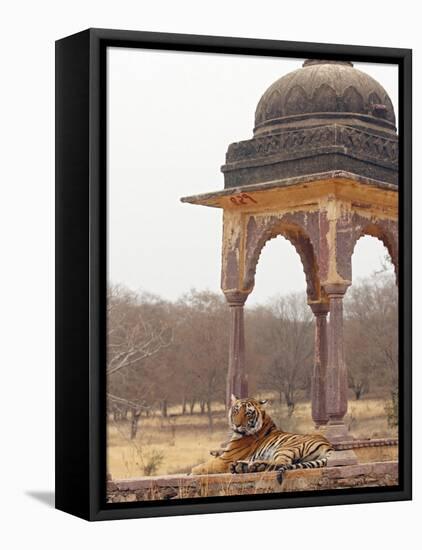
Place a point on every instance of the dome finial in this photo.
(309, 62)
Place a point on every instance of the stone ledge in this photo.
(341, 458)
(373, 474)
(360, 443)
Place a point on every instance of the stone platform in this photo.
(371, 474)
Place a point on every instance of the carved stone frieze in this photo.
(349, 140)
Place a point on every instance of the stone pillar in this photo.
(336, 375)
(237, 380)
(318, 381)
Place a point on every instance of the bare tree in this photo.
(371, 334)
(130, 338)
(204, 354)
(284, 340)
(151, 365)
(135, 335)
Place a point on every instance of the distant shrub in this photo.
(153, 462)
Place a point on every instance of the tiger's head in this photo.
(246, 416)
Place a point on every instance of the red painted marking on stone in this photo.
(246, 196)
(242, 199)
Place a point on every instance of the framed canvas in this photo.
(202, 364)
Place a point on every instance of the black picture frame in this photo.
(81, 271)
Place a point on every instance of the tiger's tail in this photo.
(319, 463)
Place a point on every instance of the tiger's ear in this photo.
(263, 401)
(233, 399)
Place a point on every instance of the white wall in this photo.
(27, 324)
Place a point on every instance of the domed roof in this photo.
(326, 116)
(320, 90)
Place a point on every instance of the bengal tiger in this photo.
(257, 445)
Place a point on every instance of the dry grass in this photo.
(175, 444)
(183, 441)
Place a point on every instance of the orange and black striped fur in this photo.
(257, 445)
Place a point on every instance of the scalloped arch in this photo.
(303, 246)
(385, 236)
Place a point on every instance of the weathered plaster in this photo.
(323, 218)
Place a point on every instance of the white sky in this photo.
(171, 117)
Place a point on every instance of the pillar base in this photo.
(336, 432)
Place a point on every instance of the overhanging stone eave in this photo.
(218, 199)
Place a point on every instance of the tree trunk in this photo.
(164, 408)
(209, 413)
(359, 390)
(202, 406)
(184, 405)
(290, 408)
(290, 403)
(136, 413)
(192, 405)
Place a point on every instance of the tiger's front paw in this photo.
(198, 470)
(258, 466)
(239, 467)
